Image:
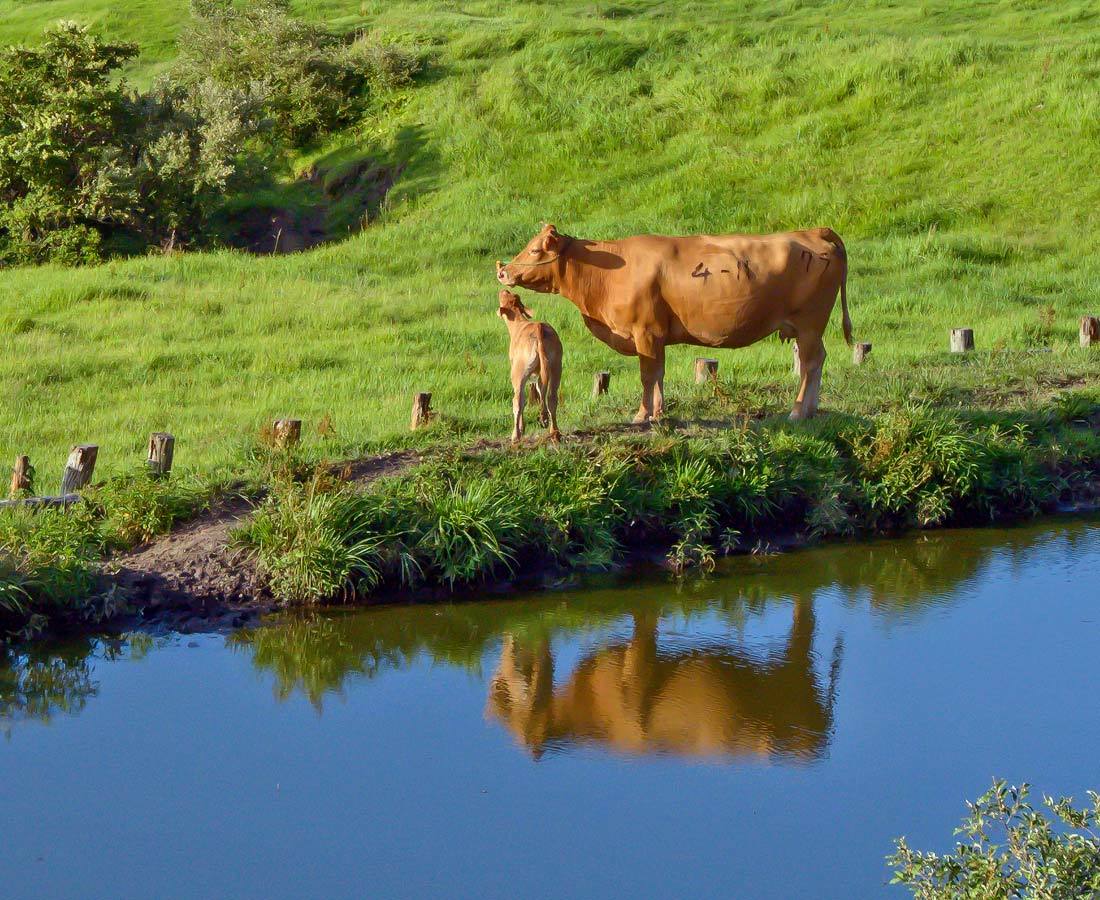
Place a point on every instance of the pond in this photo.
(763, 732)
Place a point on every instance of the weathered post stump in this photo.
(601, 381)
(422, 410)
(796, 364)
(1090, 330)
(962, 340)
(22, 477)
(286, 432)
(79, 468)
(860, 352)
(161, 449)
(705, 369)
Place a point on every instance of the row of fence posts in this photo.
(287, 432)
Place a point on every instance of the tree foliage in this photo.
(85, 159)
(88, 164)
(66, 152)
(1011, 850)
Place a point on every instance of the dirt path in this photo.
(193, 577)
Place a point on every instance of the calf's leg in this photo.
(519, 378)
(550, 399)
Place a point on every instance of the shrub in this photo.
(308, 81)
(84, 160)
(65, 147)
(1011, 850)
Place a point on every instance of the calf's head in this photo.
(537, 265)
(512, 308)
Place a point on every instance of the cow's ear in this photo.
(551, 241)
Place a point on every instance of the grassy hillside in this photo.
(954, 148)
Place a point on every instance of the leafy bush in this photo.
(84, 160)
(65, 147)
(136, 507)
(308, 81)
(1011, 850)
(88, 165)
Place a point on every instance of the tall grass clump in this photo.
(304, 538)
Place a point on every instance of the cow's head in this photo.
(537, 265)
(512, 308)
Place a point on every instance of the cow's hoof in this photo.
(797, 415)
(555, 436)
(641, 419)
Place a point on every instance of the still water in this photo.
(765, 732)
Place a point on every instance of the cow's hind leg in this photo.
(811, 358)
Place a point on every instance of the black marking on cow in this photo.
(701, 271)
(725, 271)
(743, 264)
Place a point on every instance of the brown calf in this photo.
(534, 349)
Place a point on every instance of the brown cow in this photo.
(533, 349)
(640, 294)
(631, 698)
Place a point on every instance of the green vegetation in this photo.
(89, 167)
(945, 144)
(1011, 850)
(461, 519)
(50, 559)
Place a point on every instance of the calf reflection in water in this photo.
(634, 698)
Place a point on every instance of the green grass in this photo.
(463, 519)
(950, 145)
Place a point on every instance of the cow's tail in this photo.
(833, 238)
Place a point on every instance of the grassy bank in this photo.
(944, 144)
(463, 519)
(466, 517)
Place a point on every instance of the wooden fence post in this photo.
(79, 468)
(161, 448)
(422, 410)
(22, 477)
(962, 340)
(601, 381)
(860, 352)
(287, 432)
(705, 369)
(1090, 330)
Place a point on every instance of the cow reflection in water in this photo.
(636, 698)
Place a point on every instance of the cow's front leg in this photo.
(653, 381)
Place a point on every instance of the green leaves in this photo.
(1010, 849)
